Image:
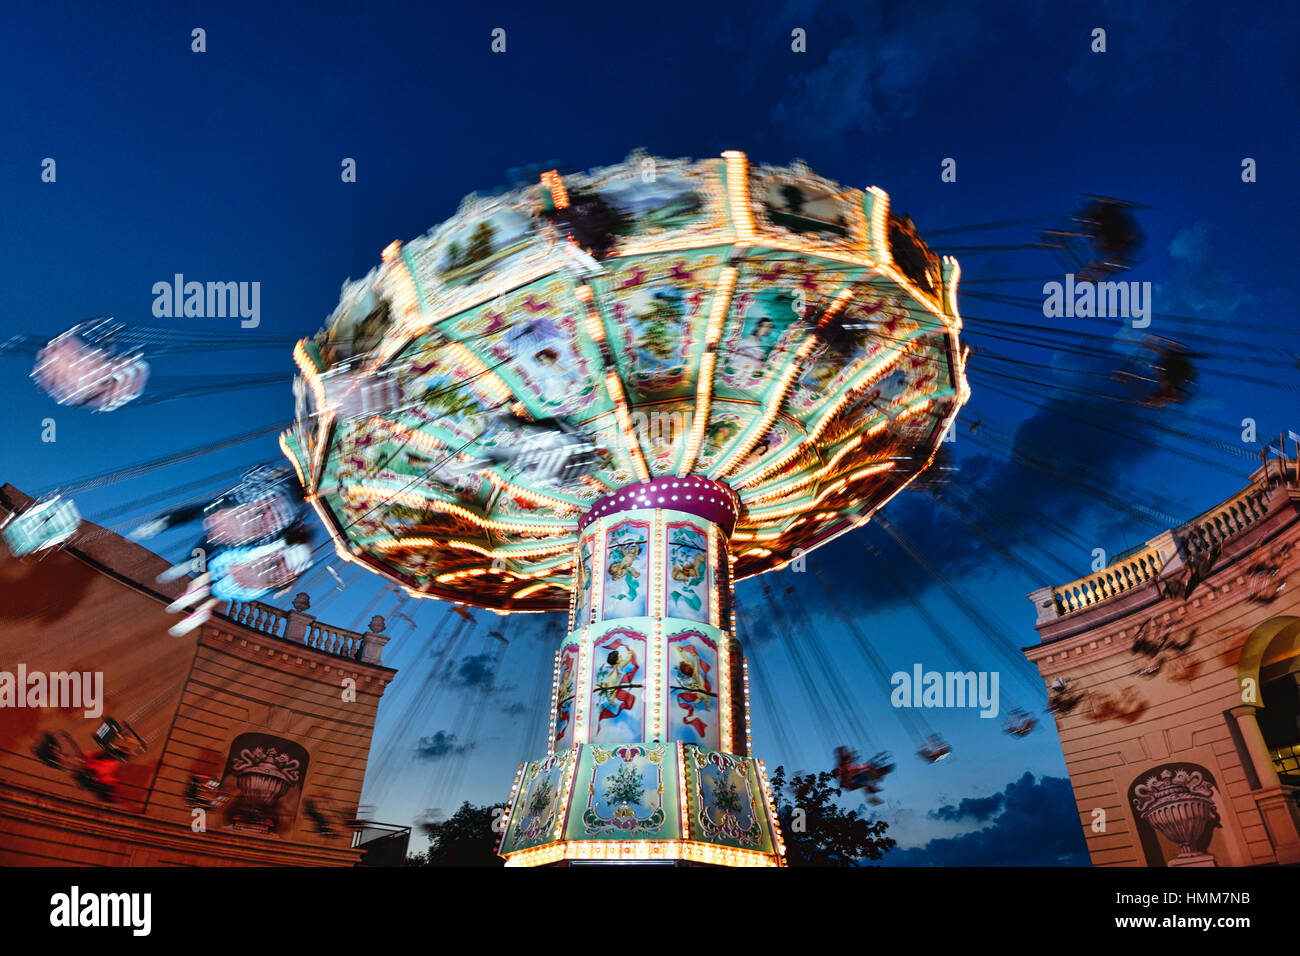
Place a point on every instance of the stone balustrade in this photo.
(334, 640)
(1211, 529)
(1220, 523)
(302, 628)
(1111, 581)
(259, 617)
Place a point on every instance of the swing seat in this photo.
(46, 524)
(247, 522)
(934, 750)
(119, 740)
(1020, 723)
(245, 574)
(73, 372)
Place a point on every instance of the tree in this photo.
(817, 830)
(467, 838)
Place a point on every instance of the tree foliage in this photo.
(817, 830)
(464, 839)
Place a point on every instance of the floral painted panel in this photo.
(625, 789)
(540, 803)
(728, 805)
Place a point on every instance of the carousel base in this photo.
(647, 803)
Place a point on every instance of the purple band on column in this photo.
(711, 500)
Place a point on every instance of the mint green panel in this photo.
(726, 802)
(625, 792)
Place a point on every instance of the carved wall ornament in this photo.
(1179, 803)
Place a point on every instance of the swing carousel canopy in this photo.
(475, 394)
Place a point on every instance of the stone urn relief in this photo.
(264, 776)
(1178, 802)
(265, 770)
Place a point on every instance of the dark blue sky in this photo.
(225, 166)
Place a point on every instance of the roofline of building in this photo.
(1233, 527)
(136, 567)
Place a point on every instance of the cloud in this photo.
(1198, 284)
(974, 808)
(1146, 46)
(548, 628)
(428, 821)
(889, 55)
(474, 671)
(1051, 465)
(1038, 825)
(442, 744)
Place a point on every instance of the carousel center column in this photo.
(649, 732)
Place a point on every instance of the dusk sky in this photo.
(225, 166)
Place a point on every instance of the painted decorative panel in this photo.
(657, 308)
(654, 200)
(629, 791)
(687, 572)
(763, 330)
(564, 698)
(727, 803)
(693, 689)
(545, 360)
(266, 774)
(586, 554)
(627, 562)
(541, 801)
(617, 712)
(797, 203)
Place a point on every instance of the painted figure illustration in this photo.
(623, 569)
(691, 674)
(614, 679)
(688, 565)
(564, 706)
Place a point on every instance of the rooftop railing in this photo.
(1222, 522)
(260, 617)
(302, 628)
(1207, 531)
(1111, 581)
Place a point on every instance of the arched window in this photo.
(1268, 671)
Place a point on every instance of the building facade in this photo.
(1173, 676)
(243, 743)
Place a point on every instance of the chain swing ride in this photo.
(618, 397)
